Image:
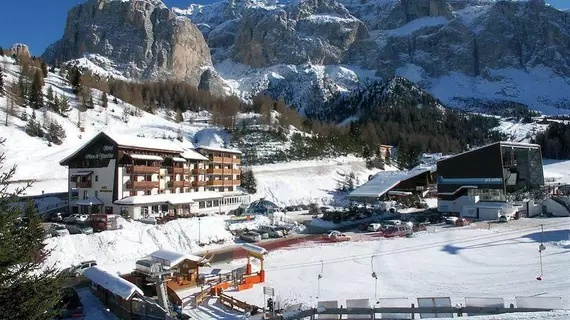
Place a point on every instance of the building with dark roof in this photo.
(477, 178)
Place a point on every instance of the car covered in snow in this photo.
(58, 230)
(336, 236)
(402, 230)
(78, 269)
(76, 218)
(374, 227)
(272, 231)
(250, 236)
(451, 220)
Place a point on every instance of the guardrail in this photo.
(411, 311)
(234, 303)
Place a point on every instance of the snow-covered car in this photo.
(336, 236)
(56, 217)
(71, 218)
(82, 218)
(451, 220)
(420, 227)
(78, 269)
(81, 228)
(393, 222)
(58, 230)
(264, 235)
(273, 232)
(250, 236)
(374, 227)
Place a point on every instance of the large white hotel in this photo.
(116, 174)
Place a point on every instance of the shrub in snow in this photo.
(33, 128)
(55, 133)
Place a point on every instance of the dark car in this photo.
(70, 305)
(80, 228)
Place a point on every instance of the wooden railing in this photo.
(223, 182)
(215, 171)
(178, 184)
(143, 169)
(234, 303)
(175, 170)
(202, 296)
(198, 171)
(142, 184)
(198, 183)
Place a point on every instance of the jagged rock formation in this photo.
(143, 37)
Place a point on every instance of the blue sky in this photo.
(39, 23)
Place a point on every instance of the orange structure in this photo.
(249, 278)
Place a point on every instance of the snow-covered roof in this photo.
(88, 202)
(253, 248)
(209, 148)
(172, 198)
(205, 195)
(112, 282)
(384, 181)
(178, 159)
(192, 155)
(81, 173)
(501, 143)
(130, 141)
(146, 157)
(172, 258)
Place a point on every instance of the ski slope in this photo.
(457, 263)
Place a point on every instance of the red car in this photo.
(336, 236)
(402, 230)
(461, 222)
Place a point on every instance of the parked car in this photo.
(71, 218)
(451, 220)
(264, 235)
(420, 227)
(336, 236)
(58, 230)
(402, 230)
(374, 227)
(80, 228)
(69, 305)
(273, 232)
(78, 269)
(250, 236)
(56, 217)
(461, 222)
(393, 222)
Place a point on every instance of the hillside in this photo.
(38, 160)
(467, 53)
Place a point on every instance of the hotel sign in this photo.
(106, 152)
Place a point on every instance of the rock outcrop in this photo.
(19, 49)
(143, 37)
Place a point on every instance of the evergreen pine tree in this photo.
(44, 66)
(55, 132)
(23, 89)
(2, 91)
(33, 128)
(36, 96)
(104, 100)
(1, 51)
(64, 104)
(50, 98)
(74, 78)
(28, 289)
(248, 181)
(56, 104)
(90, 104)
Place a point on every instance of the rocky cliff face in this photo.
(143, 37)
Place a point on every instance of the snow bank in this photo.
(137, 240)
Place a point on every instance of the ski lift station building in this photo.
(477, 183)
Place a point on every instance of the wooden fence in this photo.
(412, 311)
(235, 304)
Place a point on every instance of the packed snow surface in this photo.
(455, 262)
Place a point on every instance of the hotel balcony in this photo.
(178, 184)
(198, 171)
(198, 183)
(142, 184)
(223, 182)
(225, 160)
(143, 169)
(175, 170)
(83, 184)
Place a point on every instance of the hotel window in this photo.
(201, 205)
(85, 194)
(96, 193)
(96, 178)
(216, 203)
(148, 192)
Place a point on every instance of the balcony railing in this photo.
(84, 184)
(225, 160)
(198, 183)
(223, 182)
(215, 171)
(142, 184)
(198, 171)
(178, 184)
(143, 169)
(175, 170)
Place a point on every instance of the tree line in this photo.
(555, 141)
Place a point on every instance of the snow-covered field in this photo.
(457, 263)
(119, 250)
(557, 170)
